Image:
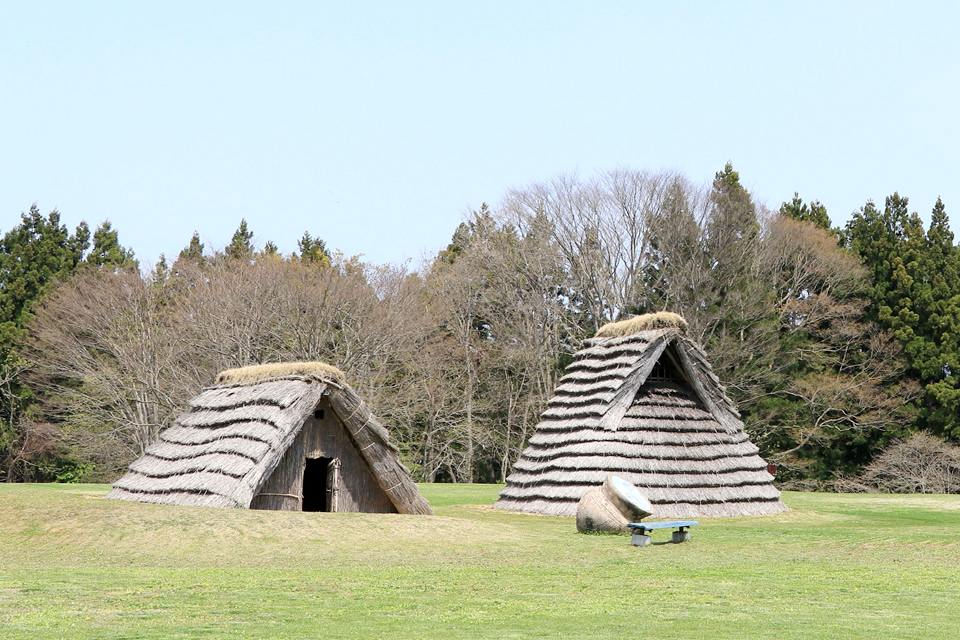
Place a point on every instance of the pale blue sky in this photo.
(377, 125)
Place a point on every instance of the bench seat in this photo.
(641, 530)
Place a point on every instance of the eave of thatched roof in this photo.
(373, 442)
(224, 448)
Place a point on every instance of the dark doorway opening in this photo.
(315, 484)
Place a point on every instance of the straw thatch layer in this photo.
(222, 452)
(656, 416)
(259, 372)
(227, 451)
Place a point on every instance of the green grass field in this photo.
(73, 565)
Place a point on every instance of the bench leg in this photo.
(639, 539)
(681, 536)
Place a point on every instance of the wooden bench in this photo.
(641, 530)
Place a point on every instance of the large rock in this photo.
(596, 512)
(611, 506)
(627, 498)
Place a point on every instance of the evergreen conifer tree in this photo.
(241, 245)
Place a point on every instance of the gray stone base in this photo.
(639, 539)
(681, 536)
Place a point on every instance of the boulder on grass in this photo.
(627, 498)
(596, 512)
(611, 506)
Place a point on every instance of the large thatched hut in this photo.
(290, 437)
(641, 401)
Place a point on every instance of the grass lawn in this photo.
(73, 565)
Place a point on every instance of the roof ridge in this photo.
(302, 378)
(262, 371)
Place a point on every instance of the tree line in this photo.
(833, 342)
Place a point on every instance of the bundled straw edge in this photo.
(646, 322)
(257, 372)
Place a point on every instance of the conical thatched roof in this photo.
(225, 447)
(646, 406)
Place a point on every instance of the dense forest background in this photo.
(840, 346)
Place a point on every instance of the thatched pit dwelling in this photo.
(641, 401)
(288, 437)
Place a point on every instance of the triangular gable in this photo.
(623, 398)
(691, 366)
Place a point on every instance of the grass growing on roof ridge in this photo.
(645, 322)
(852, 566)
(256, 372)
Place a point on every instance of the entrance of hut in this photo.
(320, 484)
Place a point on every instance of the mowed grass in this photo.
(73, 565)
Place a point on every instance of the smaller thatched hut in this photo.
(288, 437)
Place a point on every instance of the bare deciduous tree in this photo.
(922, 463)
(117, 355)
(601, 229)
(107, 357)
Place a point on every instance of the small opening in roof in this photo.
(318, 414)
(663, 371)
